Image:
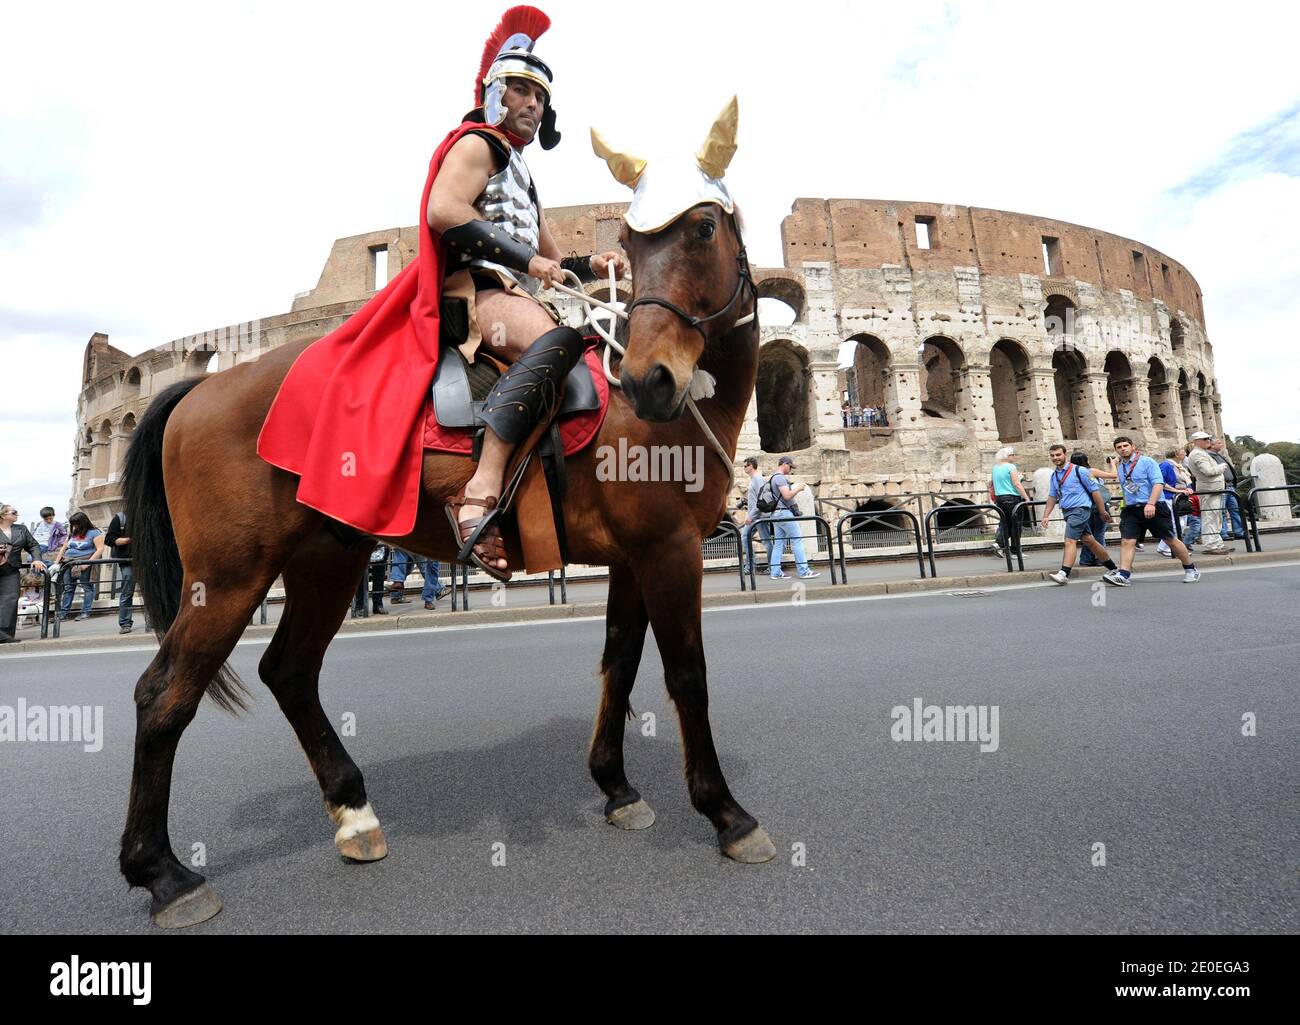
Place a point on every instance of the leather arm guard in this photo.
(581, 266)
(488, 241)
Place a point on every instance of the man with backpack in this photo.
(755, 517)
(779, 494)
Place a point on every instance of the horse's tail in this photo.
(155, 557)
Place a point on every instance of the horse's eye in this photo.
(706, 229)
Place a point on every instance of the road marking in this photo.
(742, 607)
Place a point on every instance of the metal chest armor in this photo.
(511, 201)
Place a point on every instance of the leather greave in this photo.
(530, 386)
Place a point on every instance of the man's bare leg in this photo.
(1097, 548)
(509, 325)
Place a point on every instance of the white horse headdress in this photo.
(664, 190)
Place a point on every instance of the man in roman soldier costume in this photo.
(500, 253)
(487, 243)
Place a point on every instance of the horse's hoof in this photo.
(359, 837)
(367, 846)
(637, 815)
(754, 848)
(191, 908)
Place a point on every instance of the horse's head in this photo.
(690, 273)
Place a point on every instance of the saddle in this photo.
(532, 525)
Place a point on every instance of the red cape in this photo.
(349, 416)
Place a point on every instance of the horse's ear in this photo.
(623, 166)
(720, 146)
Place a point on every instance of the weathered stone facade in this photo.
(1007, 328)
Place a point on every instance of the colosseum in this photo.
(971, 329)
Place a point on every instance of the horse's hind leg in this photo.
(319, 584)
(625, 626)
(167, 697)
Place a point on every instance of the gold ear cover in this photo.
(720, 146)
(623, 166)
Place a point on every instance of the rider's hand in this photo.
(601, 261)
(547, 271)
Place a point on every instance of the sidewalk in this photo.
(529, 600)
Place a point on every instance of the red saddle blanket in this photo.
(576, 430)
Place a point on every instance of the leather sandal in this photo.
(479, 539)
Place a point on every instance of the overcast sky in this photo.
(167, 168)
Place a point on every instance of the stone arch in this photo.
(783, 395)
(871, 373)
(100, 451)
(1162, 406)
(202, 359)
(1059, 317)
(944, 378)
(1070, 377)
(131, 384)
(783, 290)
(1207, 404)
(1187, 401)
(954, 513)
(1121, 392)
(1177, 336)
(1009, 381)
(883, 525)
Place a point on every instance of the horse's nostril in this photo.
(659, 384)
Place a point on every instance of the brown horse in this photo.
(193, 461)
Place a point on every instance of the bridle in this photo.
(743, 278)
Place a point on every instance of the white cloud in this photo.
(169, 168)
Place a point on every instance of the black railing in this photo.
(952, 510)
(55, 584)
(1250, 505)
(857, 519)
(1248, 516)
(564, 585)
(822, 525)
(728, 527)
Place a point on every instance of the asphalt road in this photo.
(1119, 725)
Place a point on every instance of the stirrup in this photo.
(482, 533)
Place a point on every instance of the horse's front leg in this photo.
(671, 579)
(625, 626)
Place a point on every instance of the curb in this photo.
(543, 613)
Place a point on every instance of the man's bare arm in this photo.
(462, 178)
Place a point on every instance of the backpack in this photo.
(766, 501)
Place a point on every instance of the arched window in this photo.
(1008, 373)
(783, 396)
(1162, 411)
(944, 376)
(1068, 374)
(1120, 392)
(870, 373)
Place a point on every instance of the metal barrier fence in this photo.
(858, 518)
(728, 527)
(53, 586)
(821, 525)
(973, 509)
(1251, 501)
(1248, 515)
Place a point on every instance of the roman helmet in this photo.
(508, 53)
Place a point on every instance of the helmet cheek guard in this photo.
(546, 134)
